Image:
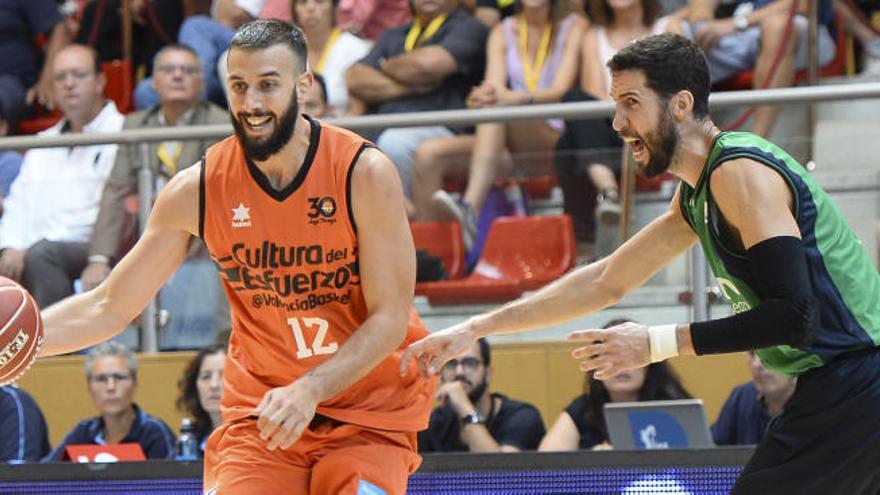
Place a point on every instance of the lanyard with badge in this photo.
(417, 36)
(325, 53)
(532, 72)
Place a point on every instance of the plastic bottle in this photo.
(187, 443)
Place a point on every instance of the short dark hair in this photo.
(671, 63)
(176, 47)
(485, 353)
(263, 33)
(319, 80)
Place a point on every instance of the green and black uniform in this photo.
(828, 438)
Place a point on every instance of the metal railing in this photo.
(578, 110)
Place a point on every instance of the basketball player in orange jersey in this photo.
(307, 225)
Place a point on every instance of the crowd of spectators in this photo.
(374, 57)
(65, 213)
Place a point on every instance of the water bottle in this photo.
(187, 443)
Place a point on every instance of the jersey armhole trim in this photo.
(348, 176)
(202, 190)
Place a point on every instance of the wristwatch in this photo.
(472, 418)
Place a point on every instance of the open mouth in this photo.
(638, 147)
(258, 124)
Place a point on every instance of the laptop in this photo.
(661, 424)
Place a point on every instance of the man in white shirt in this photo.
(52, 205)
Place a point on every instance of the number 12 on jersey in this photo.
(316, 327)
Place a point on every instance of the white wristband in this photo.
(662, 342)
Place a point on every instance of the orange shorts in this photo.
(329, 457)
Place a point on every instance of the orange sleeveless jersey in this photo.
(289, 264)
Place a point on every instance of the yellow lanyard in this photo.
(416, 36)
(169, 159)
(326, 51)
(532, 73)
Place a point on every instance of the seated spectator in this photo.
(331, 50)
(750, 406)
(370, 18)
(10, 160)
(24, 436)
(314, 101)
(52, 205)
(111, 375)
(201, 389)
(532, 57)
(470, 419)
(491, 12)
(22, 80)
(588, 152)
(430, 64)
(751, 35)
(177, 79)
(582, 424)
(209, 37)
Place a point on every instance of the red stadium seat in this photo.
(443, 240)
(521, 254)
(119, 88)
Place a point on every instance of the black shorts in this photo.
(827, 440)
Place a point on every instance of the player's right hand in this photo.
(432, 352)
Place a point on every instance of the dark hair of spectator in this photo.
(485, 353)
(661, 383)
(264, 33)
(3, 116)
(652, 56)
(176, 47)
(319, 80)
(559, 10)
(332, 12)
(188, 401)
(602, 14)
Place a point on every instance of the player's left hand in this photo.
(285, 412)
(613, 350)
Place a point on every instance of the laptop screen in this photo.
(664, 424)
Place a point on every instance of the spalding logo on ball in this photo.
(21, 333)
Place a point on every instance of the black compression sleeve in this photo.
(787, 314)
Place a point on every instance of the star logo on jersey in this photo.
(241, 216)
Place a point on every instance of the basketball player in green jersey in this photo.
(804, 292)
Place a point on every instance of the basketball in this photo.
(21, 331)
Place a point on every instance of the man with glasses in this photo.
(472, 419)
(52, 204)
(177, 78)
(111, 375)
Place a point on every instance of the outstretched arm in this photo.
(86, 319)
(756, 208)
(387, 271)
(583, 291)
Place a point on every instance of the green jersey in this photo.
(845, 281)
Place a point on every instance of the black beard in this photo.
(260, 151)
(477, 392)
(664, 143)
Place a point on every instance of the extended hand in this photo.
(612, 350)
(432, 352)
(285, 412)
